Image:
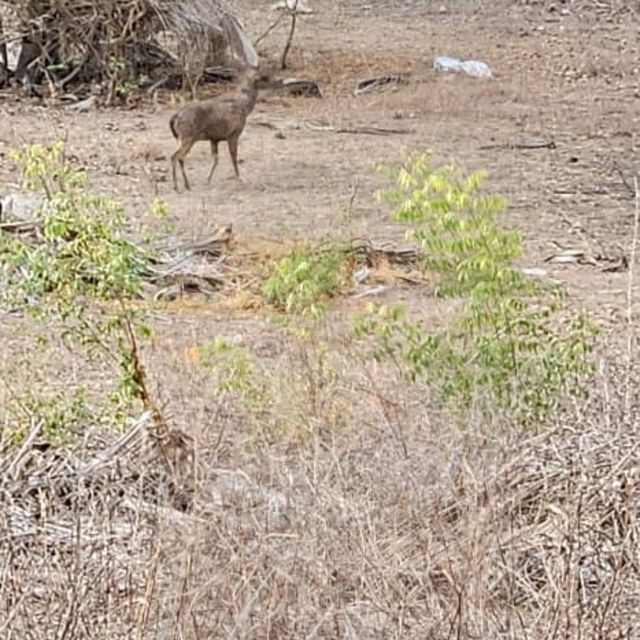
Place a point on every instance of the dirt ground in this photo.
(361, 498)
(564, 73)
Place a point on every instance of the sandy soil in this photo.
(564, 72)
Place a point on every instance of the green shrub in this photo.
(81, 269)
(83, 252)
(507, 351)
(62, 416)
(233, 366)
(303, 281)
(457, 227)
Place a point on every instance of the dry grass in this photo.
(342, 505)
(340, 502)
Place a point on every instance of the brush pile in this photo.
(122, 45)
(157, 539)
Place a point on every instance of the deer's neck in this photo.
(248, 97)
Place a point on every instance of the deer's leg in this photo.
(3, 47)
(214, 155)
(174, 160)
(233, 152)
(178, 158)
(3, 50)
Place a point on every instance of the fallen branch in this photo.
(373, 84)
(605, 263)
(374, 131)
(367, 130)
(294, 16)
(527, 144)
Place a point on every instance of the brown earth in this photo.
(566, 72)
(563, 72)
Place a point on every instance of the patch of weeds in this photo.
(319, 380)
(160, 223)
(63, 417)
(288, 405)
(80, 270)
(508, 351)
(235, 370)
(303, 281)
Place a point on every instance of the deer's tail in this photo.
(172, 126)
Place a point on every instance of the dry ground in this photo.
(568, 78)
(564, 71)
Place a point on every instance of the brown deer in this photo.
(215, 120)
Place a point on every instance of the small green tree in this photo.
(235, 370)
(83, 252)
(303, 281)
(508, 350)
(81, 270)
(457, 226)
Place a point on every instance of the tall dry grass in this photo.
(394, 523)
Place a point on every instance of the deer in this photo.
(216, 120)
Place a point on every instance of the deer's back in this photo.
(214, 120)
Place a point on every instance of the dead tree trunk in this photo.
(4, 57)
(29, 51)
